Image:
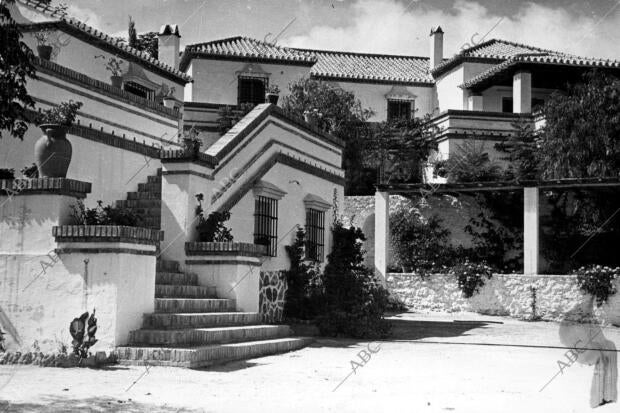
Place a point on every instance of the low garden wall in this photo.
(546, 297)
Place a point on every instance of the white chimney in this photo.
(436, 46)
(168, 44)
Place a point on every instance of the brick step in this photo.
(151, 222)
(193, 305)
(143, 195)
(199, 320)
(184, 291)
(139, 203)
(204, 336)
(150, 187)
(153, 179)
(175, 278)
(167, 265)
(204, 356)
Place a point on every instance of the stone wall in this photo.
(272, 295)
(557, 296)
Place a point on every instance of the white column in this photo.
(530, 231)
(382, 233)
(522, 92)
(475, 102)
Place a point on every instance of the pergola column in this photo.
(530, 231)
(382, 233)
(522, 92)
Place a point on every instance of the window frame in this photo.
(408, 112)
(244, 78)
(315, 235)
(266, 223)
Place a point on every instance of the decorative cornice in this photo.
(267, 189)
(106, 233)
(316, 202)
(225, 248)
(103, 88)
(57, 186)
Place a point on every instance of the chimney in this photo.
(168, 44)
(436, 46)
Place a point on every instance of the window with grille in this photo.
(139, 90)
(251, 90)
(507, 105)
(315, 234)
(266, 223)
(399, 109)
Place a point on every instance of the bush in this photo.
(420, 246)
(212, 228)
(101, 215)
(63, 114)
(470, 277)
(303, 280)
(598, 281)
(30, 171)
(353, 301)
(7, 173)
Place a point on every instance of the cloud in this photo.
(389, 26)
(86, 16)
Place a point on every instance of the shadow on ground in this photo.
(93, 404)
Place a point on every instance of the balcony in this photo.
(479, 124)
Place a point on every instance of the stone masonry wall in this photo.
(557, 296)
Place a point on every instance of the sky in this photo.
(582, 27)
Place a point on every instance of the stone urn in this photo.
(53, 151)
(117, 81)
(44, 52)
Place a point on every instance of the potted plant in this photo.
(273, 94)
(113, 65)
(44, 50)
(53, 151)
(191, 143)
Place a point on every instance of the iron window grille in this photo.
(399, 109)
(251, 90)
(266, 223)
(315, 234)
(139, 90)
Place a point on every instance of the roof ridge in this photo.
(368, 54)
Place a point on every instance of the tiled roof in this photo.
(325, 64)
(99, 36)
(371, 67)
(494, 50)
(539, 58)
(246, 48)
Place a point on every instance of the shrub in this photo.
(354, 302)
(212, 228)
(101, 215)
(83, 330)
(30, 171)
(302, 279)
(598, 281)
(7, 173)
(420, 246)
(63, 114)
(471, 276)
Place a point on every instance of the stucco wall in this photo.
(557, 296)
(215, 81)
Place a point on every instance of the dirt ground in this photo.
(435, 363)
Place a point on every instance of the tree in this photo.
(581, 137)
(522, 150)
(15, 69)
(132, 37)
(147, 42)
(339, 113)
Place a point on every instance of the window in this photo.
(139, 90)
(251, 90)
(315, 234)
(507, 105)
(266, 223)
(399, 109)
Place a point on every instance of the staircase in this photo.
(191, 327)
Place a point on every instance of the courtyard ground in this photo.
(436, 363)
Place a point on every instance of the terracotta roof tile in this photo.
(57, 17)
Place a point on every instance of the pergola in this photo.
(531, 190)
